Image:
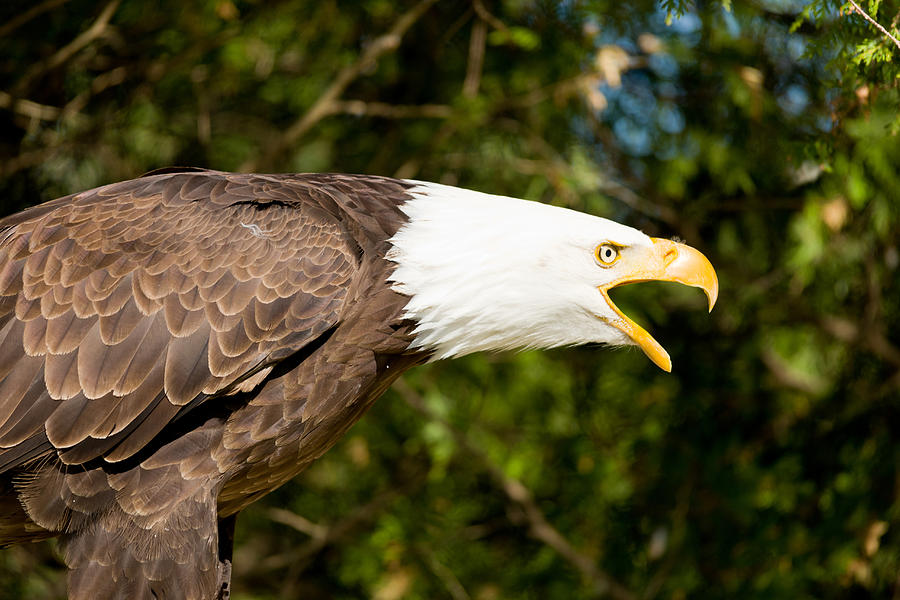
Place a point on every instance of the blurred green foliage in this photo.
(764, 133)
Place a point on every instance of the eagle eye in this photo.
(606, 254)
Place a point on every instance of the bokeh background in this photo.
(764, 133)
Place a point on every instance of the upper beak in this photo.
(665, 260)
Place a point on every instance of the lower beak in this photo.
(665, 260)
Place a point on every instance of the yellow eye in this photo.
(607, 254)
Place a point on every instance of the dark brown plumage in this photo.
(174, 347)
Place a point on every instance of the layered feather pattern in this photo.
(175, 346)
(139, 293)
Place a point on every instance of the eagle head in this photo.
(487, 272)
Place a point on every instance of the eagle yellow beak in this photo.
(664, 260)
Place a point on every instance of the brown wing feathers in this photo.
(130, 314)
(123, 304)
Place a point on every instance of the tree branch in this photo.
(407, 478)
(487, 17)
(788, 378)
(361, 108)
(477, 44)
(28, 15)
(97, 29)
(25, 160)
(447, 577)
(101, 82)
(298, 522)
(322, 107)
(877, 25)
(871, 339)
(523, 500)
(321, 536)
(28, 108)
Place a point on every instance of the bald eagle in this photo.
(176, 346)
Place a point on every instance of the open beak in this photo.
(664, 260)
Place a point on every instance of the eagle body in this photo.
(176, 346)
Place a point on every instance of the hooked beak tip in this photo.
(667, 261)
